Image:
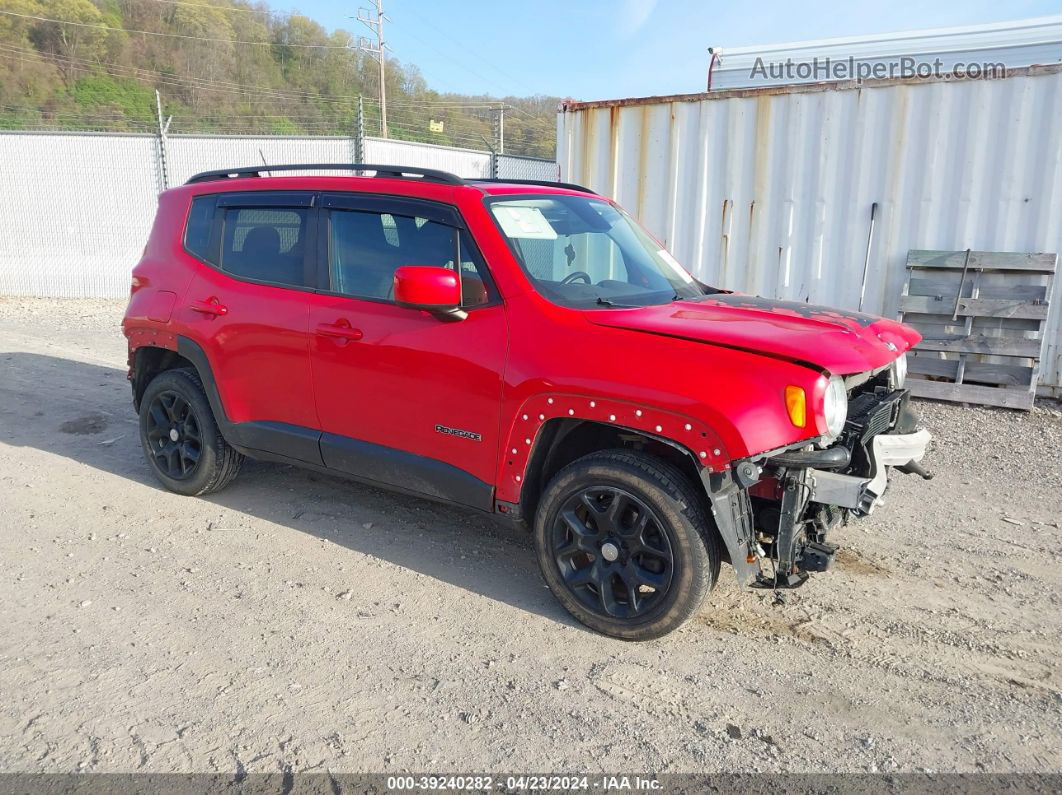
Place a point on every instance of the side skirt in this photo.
(412, 473)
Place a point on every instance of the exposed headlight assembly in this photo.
(835, 407)
(899, 372)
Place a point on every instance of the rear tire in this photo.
(180, 436)
(625, 543)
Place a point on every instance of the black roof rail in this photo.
(396, 172)
(546, 183)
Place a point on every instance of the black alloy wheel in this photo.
(612, 552)
(182, 442)
(626, 543)
(174, 435)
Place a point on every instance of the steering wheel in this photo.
(571, 277)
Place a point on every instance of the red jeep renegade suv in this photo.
(524, 349)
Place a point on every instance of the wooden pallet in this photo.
(982, 316)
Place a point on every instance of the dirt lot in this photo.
(298, 622)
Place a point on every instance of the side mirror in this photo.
(437, 290)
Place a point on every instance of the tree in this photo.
(78, 34)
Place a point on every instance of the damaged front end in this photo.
(774, 510)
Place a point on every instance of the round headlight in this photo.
(835, 407)
(899, 372)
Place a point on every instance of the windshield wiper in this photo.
(605, 302)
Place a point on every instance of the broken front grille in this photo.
(872, 412)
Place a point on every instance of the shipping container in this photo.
(1024, 42)
(770, 190)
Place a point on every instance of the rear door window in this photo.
(266, 244)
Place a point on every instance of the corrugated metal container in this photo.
(1025, 42)
(769, 191)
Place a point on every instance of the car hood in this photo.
(835, 340)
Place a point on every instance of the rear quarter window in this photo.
(200, 223)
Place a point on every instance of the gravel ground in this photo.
(299, 622)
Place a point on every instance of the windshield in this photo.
(585, 253)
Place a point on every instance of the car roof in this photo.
(503, 188)
(386, 178)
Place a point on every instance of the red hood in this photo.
(835, 340)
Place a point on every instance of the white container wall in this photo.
(769, 191)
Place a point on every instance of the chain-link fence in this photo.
(78, 206)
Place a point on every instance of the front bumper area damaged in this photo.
(774, 512)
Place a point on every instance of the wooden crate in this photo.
(982, 316)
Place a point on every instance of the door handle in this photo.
(210, 306)
(341, 330)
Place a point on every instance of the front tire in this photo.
(181, 439)
(625, 544)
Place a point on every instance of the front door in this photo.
(405, 398)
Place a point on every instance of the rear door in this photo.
(405, 398)
(248, 309)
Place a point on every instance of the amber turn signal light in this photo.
(796, 403)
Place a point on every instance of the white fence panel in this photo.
(76, 212)
(190, 154)
(77, 208)
(466, 163)
(770, 191)
(514, 167)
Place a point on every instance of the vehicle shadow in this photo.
(84, 412)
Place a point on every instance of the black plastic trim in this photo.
(291, 441)
(390, 204)
(830, 458)
(266, 198)
(545, 183)
(407, 471)
(389, 172)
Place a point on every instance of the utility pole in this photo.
(376, 25)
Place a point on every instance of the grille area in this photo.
(871, 413)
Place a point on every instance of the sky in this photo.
(600, 49)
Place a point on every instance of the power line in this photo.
(454, 60)
(236, 9)
(177, 35)
(88, 66)
(92, 66)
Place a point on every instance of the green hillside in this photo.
(228, 66)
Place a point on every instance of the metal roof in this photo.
(1017, 43)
